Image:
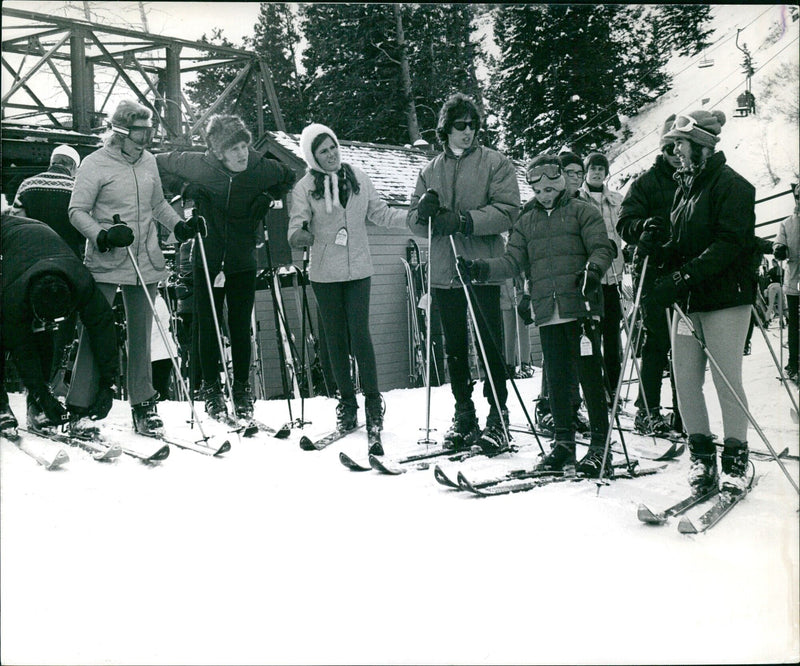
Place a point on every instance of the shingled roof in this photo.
(392, 169)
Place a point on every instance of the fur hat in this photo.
(307, 137)
(664, 130)
(50, 296)
(596, 159)
(222, 132)
(708, 125)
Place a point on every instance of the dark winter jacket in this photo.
(45, 197)
(226, 202)
(481, 182)
(552, 248)
(30, 248)
(713, 237)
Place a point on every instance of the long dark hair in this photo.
(347, 178)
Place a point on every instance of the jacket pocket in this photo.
(104, 262)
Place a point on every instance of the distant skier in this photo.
(468, 193)
(787, 248)
(708, 261)
(232, 186)
(331, 205)
(561, 245)
(43, 283)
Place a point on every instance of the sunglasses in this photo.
(687, 124)
(461, 125)
(550, 171)
(669, 149)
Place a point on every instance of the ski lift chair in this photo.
(745, 104)
(705, 62)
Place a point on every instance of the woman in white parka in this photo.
(330, 208)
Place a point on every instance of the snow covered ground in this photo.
(275, 555)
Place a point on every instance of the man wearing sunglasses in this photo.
(43, 282)
(644, 223)
(709, 263)
(469, 192)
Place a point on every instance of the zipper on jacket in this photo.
(138, 221)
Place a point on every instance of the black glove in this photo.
(428, 206)
(589, 279)
(524, 310)
(667, 290)
(103, 401)
(301, 238)
(284, 184)
(55, 412)
(780, 252)
(473, 270)
(655, 233)
(117, 235)
(261, 204)
(196, 224)
(447, 223)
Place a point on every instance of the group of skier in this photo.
(690, 218)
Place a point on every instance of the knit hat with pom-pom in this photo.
(702, 127)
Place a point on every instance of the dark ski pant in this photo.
(655, 358)
(562, 356)
(612, 318)
(239, 294)
(793, 330)
(344, 307)
(454, 315)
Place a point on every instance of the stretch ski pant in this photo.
(610, 323)
(344, 307)
(514, 330)
(239, 294)
(723, 332)
(561, 351)
(452, 306)
(139, 375)
(655, 355)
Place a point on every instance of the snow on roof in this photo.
(392, 169)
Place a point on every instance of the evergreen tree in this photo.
(683, 28)
(566, 72)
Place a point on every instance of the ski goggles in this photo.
(687, 124)
(550, 171)
(461, 125)
(141, 136)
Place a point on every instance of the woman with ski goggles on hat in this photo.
(121, 179)
(560, 243)
(709, 264)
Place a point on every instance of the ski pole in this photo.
(479, 340)
(157, 319)
(199, 244)
(309, 379)
(781, 373)
(427, 439)
(739, 400)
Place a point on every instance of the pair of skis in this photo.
(399, 466)
(724, 501)
(516, 481)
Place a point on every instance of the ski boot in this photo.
(346, 414)
(38, 421)
(215, 401)
(703, 474)
(8, 422)
(374, 408)
(146, 420)
(525, 371)
(543, 417)
(242, 400)
(463, 431)
(591, 464)
(560, 459)
(494, 439)
(650, 423)
(734, 466)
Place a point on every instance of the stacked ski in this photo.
(647, 516)
(50, 460)
(99, 449)
(725, 501)
(209, 446)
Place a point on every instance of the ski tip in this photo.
(442, 478)
(351, 464)
(686, 526)
(224, 448)
(377, 463)
(284, 431)
(647, 516)
(306, 444)
(161, 454)
(60, 458)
